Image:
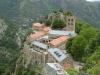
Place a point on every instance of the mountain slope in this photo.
(31, 9)
(86, 11)
(9, 8)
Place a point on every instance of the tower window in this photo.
(72, 20)
(68, 23)
(68, 19)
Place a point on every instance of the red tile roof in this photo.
(37, 35)
(40, 27)
(46, 29)
(58, 41)
(37, 25)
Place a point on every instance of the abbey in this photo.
(47, 46)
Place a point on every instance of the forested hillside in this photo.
(35, 9)
(11, 40)
(9, 9)
(84, 10)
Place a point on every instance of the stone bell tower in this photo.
(70, 26)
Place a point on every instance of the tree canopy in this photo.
(85, 47)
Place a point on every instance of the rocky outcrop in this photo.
(3, 28)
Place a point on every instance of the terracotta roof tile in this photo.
(58, 41)
(41, 27)
(47, 29)
(37, 35)
(37, 25)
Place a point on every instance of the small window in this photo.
(48, 46)
(43, 41)
(58, 54)
(68, 23)
(46, 41)
(68, 19)
(72, 20)
(49, 40)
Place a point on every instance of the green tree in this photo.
(93, 61)
(88, 32)
(72, 71)
(69, 44)
(48, 22)
(95, 70)
(78, 46)
(80, 25)
(58, 24)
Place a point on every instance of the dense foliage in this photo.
(9, 9)
(58, 24)
(8, 49)
(85, 47)
(55, 20)
(35, 9)
(87, 11)
(72, 71)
